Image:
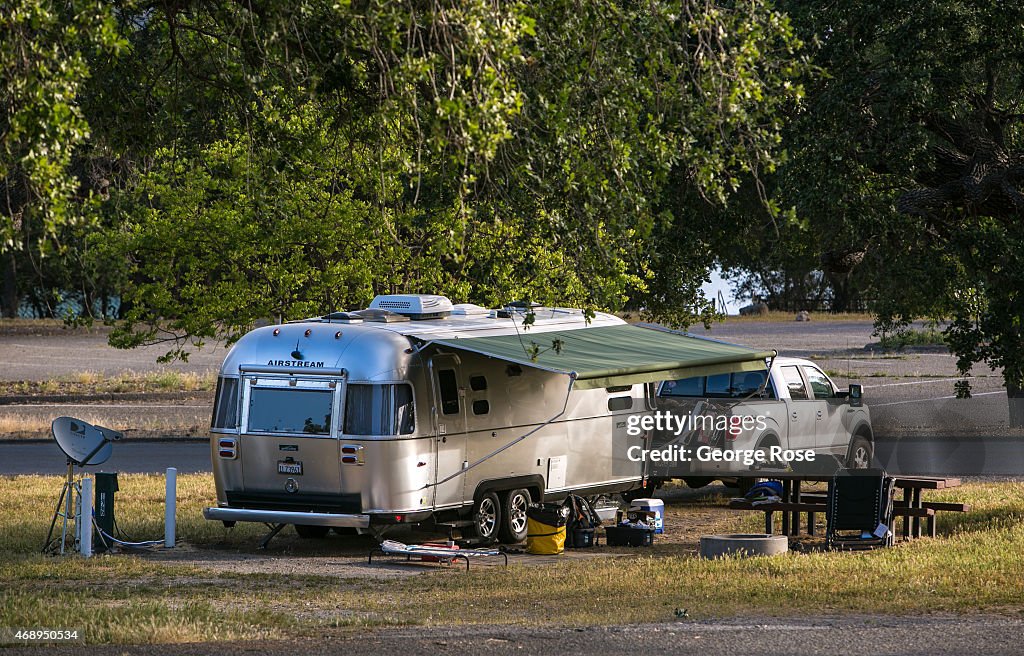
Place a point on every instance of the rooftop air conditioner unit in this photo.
(414, 306)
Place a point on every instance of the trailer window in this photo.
(617, 403)
(225, 405)
(379, 410)
(449, 391)
(477, 383)
(290, 410)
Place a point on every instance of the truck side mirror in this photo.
(856, 396)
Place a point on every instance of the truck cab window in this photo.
(719, 386)
(797, 388)
(683, 387)
(378, 410)
(820, 384)
(449, 391)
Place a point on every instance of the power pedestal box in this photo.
(106, 486)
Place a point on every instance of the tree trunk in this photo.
(10, 300)
(1015, 399)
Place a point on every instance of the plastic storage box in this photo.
(626, 536)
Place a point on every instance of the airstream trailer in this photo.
(417, 410)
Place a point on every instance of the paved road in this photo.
(150, 456)
(927, 636)
(1003, 456)
(52, 353)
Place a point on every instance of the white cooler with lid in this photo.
(657, 506)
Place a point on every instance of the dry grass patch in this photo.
(126, 382)
(975, 566)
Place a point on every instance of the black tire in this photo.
(307, 532)
(861, 453)
(487, 518)
(697, 481)
(513, 515)
(764, 447)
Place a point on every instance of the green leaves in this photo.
(44, 48)
(285, 159)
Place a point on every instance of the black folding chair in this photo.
(859, 509)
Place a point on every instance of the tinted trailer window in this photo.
(379, 410)
(290, 410)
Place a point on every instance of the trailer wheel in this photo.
(307, 531)
(513, 513)
(487, 517)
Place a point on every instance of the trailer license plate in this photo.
(293, 468)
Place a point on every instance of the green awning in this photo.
(607, 356)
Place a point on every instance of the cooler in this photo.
(657, 506)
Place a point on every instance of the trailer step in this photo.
(461, 523)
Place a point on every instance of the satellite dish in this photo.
(83, 443)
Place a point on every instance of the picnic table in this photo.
(910, 508)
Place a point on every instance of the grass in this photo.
(776, 316)
(913, 337)
(973, 567)
(127, 382)
(16, 426)
(773, 316)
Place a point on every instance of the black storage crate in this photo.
(622, 536)
(581, 538)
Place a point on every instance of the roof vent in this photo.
(380, 316)
(342, 317)
(414, 306)
(469, 310)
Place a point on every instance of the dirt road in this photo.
(910, 636)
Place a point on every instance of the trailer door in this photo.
(289, 447)
(448, 414)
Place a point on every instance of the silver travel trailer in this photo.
(415, 410)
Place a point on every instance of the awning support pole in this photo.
(565, 404)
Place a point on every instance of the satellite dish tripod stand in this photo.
(71, 500)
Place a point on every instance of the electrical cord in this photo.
(124, 543)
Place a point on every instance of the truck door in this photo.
(802, 409)
(830, 431)
(449, 417)
(289, 443)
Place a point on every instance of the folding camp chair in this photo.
(432, 553)
(859, 509)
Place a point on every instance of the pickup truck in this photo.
(740, 426)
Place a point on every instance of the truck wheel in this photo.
(697, 481)
(513, 514)
(861, 453)
(307, 532)
(487, 518)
